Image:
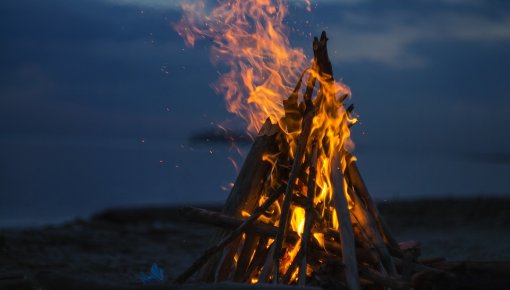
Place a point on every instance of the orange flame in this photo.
(250, 38)
(297, 222)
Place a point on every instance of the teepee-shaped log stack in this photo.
(340, 240)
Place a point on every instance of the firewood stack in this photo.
(278, 225)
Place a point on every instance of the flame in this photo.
(297, 222)
(319, 237)
(334, 223)
(249, 37)
(271, 158)
(273, 213)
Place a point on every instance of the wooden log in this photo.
(218, 219)
(286, 279)
(293, 115)
(252, 240)
(354, 177)
(308, 216)
(198, 263)
(249, 183)
(317, 255)
(226, 264)
(268, 265)
(258, 260)
(307, 96)
(247, 187)
(369, 226)
(221, 220)
(194, 213)
(250, 244)
(344, 220)
(322, 56)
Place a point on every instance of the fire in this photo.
(319, 237)
(250, 38)
(297, 222)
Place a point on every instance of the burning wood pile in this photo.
(299, 212)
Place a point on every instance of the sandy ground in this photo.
(116, 245)
(471, 229)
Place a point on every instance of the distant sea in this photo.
(53, 180)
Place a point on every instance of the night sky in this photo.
(98, 99)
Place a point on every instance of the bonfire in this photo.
(299, 211)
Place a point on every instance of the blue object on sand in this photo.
(155, 275)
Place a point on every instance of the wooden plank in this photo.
(268, 265)
(308, 216)
(261, 253)
(249, 183)
(249, 246)
(215, 219)
(369, 226)
(344, 220)
(354, 176)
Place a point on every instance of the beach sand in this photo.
(114, 246)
